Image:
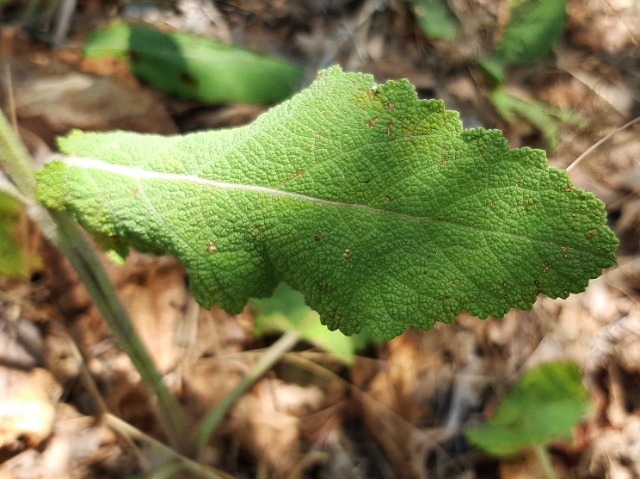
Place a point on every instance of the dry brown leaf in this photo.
(27, 407)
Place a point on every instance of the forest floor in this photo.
(401, 408)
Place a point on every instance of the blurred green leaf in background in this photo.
(543, 405)
(546, 118)
(534, 28)
(436, 19)
(194, 67)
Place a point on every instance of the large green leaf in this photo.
(377, 206)
(545, 404)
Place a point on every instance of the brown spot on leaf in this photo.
(189, 80)
(345, 254)
(371, 123)
(389, 125)
(545, 266)
(211, 247)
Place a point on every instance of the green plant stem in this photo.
(545, 461)
(79, 252)
(271, 356)
(64, 233)
(16, 160)
(7, 188)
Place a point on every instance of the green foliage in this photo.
(196, 67)
(377, 206)
(534, 28)
(436, 19)
(544, 117)
(15, 259)
(286, 310)
(545, 404)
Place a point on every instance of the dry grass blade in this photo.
(593, 147)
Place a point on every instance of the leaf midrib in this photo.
(138, 173)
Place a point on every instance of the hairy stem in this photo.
(15, 160)
(77, 249)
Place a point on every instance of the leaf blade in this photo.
(377, 206)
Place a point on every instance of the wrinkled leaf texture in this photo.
(378, 206)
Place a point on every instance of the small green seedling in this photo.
(379, 207)
(543, 405)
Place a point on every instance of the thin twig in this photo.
(271, 356)
(127, 429)
(63, 21)
(545, 461)
(600, 142)
(11, 101)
